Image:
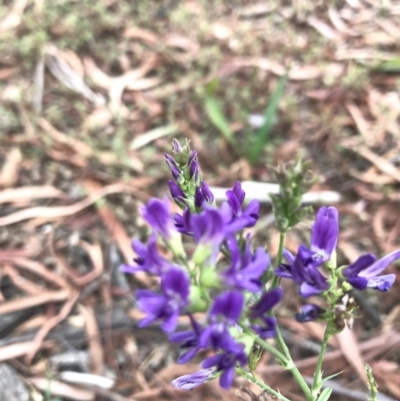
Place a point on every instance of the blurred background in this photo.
(92, 93)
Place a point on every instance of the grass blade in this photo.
(271, 116)
(217, 117)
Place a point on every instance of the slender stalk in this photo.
(317, 382)
(254, 379)
(275, 280)
(292, 366)
(266, 346)
(279, 339)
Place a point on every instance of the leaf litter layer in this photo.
(91, 93)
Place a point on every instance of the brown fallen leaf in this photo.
(21, 282)
(39, 270)
(140, 33)
(297, 73)
(6, 73)
(380, 162)
(96, 76)
(55, 212)
(36, 300)
(351, 351)
(93, 339)
(10, 169)
(50, 324)
(323, 28)
(69, 72)
(23, 194)
(13, 18)
(59, 389)
(117, 231)
(15, 350)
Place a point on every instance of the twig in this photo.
(260, 191)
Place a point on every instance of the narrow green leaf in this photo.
(271, 117)
(326, 393)
(392, 65)
(217, 117)
(331, 376)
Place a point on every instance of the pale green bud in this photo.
(197, 303)
(209, 277)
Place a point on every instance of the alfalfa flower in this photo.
(167, 305)
(364, 272)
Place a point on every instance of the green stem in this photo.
(275, 280)
(317, 382)
(265, 345)
(254, 379)
(279, 339)
(292, 366)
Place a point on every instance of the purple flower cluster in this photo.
(232, 297)
(308, 268)
(224, 278)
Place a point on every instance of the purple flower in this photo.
(166, 306)
(194, 171)
(203, 195)
(265, 324)
(190, 340)
(309, 313)
(176, 191)
(171, 163)
(226, 362)
(148, 259)
(183, 223)
(224, 313)
(363, 273)
(245, 270)
(236, 198)
(303, 270)
(189, 382)
(324, 233)
(157, 214)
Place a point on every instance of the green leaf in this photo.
(392, 65)
(271, 117)
(216, 116)
(331, 376)
(326, 393)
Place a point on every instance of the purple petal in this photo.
(308, 290)
(172, 165)
(189, 382)
(325, 231)
(226, 378)
(266, 303)
(176, 282)
(309, 313)
(360, 264)
(380, 265)
(156, 213)
(267, 327)
(288, 256)
(382, 283)
(228, 304)
(208, 195)
(238, 191)
(360, 283)
(208, 226)
(211, 361)
(194, 170)
(176, 191)
(170, 322)
(252, 210)
(234, 203)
